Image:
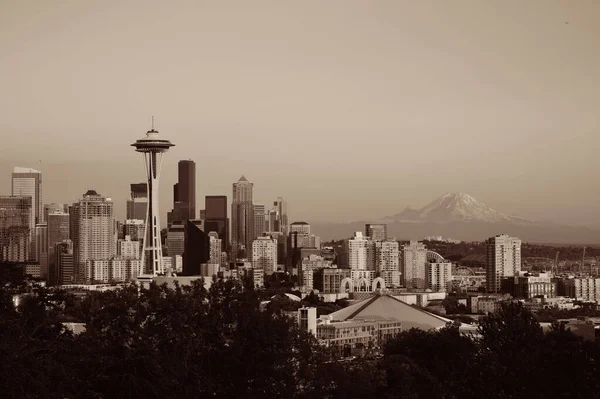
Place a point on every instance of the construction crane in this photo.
(556, 263)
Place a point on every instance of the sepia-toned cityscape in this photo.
(336, 113)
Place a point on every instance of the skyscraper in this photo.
(152, 148)
(376, 232)
(197, 248)
(387, 262)
(94, 235)
(41, 247)
(49, 208)
(215, 218)
(259, 220)
(58, 231)
(242, 219)
(413, 259)
(15, 228)
(137, 205)
(503, 259)
(360, 252)
(264, 254)
(63, 252)
(184, 193)
(27, 182)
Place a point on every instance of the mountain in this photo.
(455, 207)
(462, 217)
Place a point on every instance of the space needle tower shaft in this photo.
(152, 148)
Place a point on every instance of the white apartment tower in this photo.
(360, 252)
(438, 275)
(503, 259)
(412, 266)
(264, 254)
(387, 262)
(94, 233)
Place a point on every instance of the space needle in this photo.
(152, 147)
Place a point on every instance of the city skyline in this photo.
(476, 92)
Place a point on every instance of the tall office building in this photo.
(41, 248)
(413, 259)
(215, 248)
(93, 235)
(152, 147)
(281, 207)
(376, 232)
(387, 262)
(259, 220)
(176, 240)
(135, 229)
(58, 231)
(63, 252)
(53, 207)
(184, 193)
(360, 252)
(137, 204)
(242, 219)
(215, 218)
(264, 254)
(27, 182)
(15, 228)
(196, 248)
(503, 259)
(300, 227)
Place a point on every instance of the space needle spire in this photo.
(152, 147)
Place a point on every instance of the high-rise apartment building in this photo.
(376, 232)
(27, 182)
(259, 220)
(184, 193)
(438, 276)
(58, 230)
(264, 254)
(15, 228)
(94, 235)
(412, 265)
(128, 249)
(242, 219)
(216, 219)
(196, 248)
(137, 205)
(387, 262)
(360, 252)
(503, 259)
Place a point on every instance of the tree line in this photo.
(188, 341)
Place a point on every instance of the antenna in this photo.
(152, 122)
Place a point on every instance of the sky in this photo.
(349, 109)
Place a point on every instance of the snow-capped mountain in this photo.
(455, 207)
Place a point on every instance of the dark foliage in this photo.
(193, 342)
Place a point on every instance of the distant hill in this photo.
(462, 217)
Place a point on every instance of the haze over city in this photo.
(351, 110)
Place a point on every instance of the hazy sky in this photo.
(349, 109)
